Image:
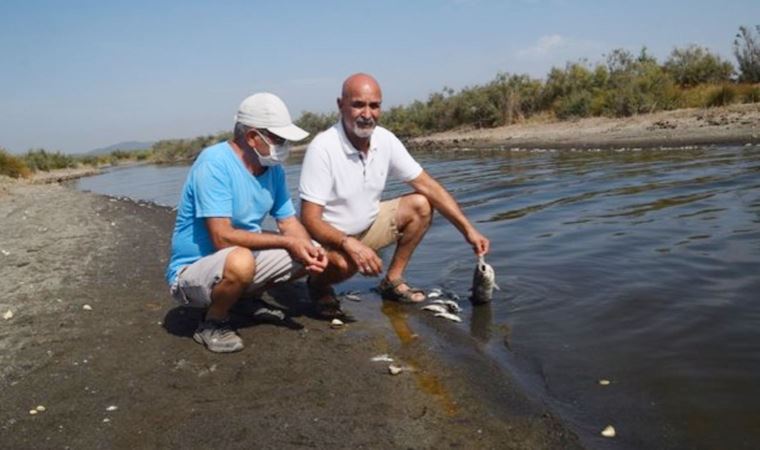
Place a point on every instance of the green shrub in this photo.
(40, 159)
(695, 65)
(724, 95)
(747, 52)
(748, 93)
(12, 166)
(577, 104)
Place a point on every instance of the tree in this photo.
(747, 52)
(695, 65)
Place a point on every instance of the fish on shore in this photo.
(450, 305)
(483, 282)
(449, 316)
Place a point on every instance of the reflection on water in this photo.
(426, 381)
(640, 267)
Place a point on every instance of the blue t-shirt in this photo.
(219, 185)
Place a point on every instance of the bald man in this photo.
(342, 179)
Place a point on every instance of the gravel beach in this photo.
(94, 355)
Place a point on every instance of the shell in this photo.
(381, 358)
(604, 382)
(336, 323)
(394, 369)
(87, 308)
(8, 315)
(609, 431)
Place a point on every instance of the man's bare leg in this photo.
(239, 269)
(413, 219)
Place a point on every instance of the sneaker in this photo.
(218, 337)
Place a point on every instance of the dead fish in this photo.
(483, 282)
(434, 294)
(445, 315)
(435, 308)
(451, 305)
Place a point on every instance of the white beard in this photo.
(363, 132)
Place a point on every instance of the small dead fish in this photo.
(434, 294)
(483, 282)
(445, 315)
(451, 305)
(352, 297)
(435, 308)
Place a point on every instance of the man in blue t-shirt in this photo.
(219, 252)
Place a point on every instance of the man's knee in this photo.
(341, 263)
(240, 265)
(419, 207)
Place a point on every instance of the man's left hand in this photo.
(480, 244)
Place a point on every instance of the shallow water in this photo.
(639, 267)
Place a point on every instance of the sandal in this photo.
(326, 304)
(389, 290)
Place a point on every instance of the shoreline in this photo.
(730, 125)
(95, 340)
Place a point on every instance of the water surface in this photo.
(638, 267)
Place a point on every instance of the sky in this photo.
(79, 75)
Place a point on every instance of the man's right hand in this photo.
(366, 260)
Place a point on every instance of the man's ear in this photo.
(250, 137)
(340, 106)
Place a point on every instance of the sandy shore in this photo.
(735, 124)
(88, 333)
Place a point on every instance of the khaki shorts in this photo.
(383, 231)
(195, 282)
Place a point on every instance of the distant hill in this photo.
(127, 146)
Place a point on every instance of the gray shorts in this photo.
(195, 282)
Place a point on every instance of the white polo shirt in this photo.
(337, 176)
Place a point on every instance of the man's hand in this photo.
(365, 258)
(312, 257)
(480, 243)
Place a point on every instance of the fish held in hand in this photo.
(483, 282)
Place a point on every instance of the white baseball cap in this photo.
(265, 110)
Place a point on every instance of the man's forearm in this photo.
(443, 202)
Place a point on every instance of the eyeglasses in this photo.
(270, 138)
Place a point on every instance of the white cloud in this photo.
(557, 48)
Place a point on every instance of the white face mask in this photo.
(277, 153)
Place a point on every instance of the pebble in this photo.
(106, 420)
(609, 431)
(40, 408)
(112, 408)
(32, 411)
(336, 323)
(382, 358)
(5, 252)
(394, 369)
(8, 315)
(604, 382)
(87, 308)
